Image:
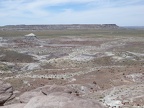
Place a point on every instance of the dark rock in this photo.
(6, 92)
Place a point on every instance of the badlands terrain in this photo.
(95, 68)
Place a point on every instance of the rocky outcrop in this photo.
(58, 100)
(41, 91)
(74, 89)
(25, 97)
(61, 101)
(55, 96)
(59, 27)
(6, 92)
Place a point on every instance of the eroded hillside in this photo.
(108, 69)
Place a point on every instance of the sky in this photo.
(120, 12)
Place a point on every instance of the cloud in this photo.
(122, 12)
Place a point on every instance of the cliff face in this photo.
(59, 27)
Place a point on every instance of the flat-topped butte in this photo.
(59, 27)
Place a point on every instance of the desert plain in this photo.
(104, 65)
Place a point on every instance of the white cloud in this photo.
(122, 12)
(120, 16)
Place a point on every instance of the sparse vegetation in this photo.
(105, 65)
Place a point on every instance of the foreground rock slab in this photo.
(14, 106)
(6, 92)
(48, 89)
(59, 100)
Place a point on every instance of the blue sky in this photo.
(120, 12)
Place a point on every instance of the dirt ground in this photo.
(109, 69)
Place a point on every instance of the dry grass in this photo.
(92, 32)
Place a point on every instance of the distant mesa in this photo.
(59, 27)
